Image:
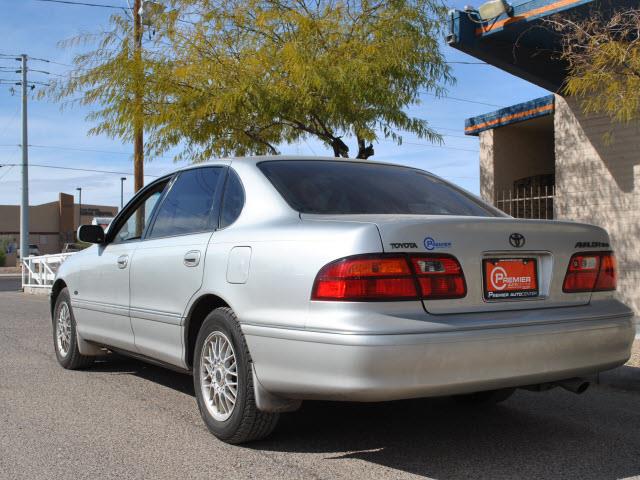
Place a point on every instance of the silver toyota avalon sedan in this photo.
(274, 280)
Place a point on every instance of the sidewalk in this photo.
(10, 270)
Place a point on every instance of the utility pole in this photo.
(24, 203)
(79, 206)
(138, 124)
(122, 180)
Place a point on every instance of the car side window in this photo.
(233, 200)
(134, 225)
(190, 203)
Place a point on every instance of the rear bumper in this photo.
(303, 364)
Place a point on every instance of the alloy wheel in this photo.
(219, 375)
(63, 330)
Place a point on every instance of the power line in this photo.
(51, 61)
(83, 4)
(458, 99)
(76, 149)
(466, 137)
(92, 170)
(440, 146)
(7, 172)
(446, 147)
(10, 120)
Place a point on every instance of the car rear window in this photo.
(342, 187)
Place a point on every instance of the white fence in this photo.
(40, 271)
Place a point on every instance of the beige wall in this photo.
(513, 152)
(598, 182)
(487, 184)
(51, 225)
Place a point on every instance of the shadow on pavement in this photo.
(442, 439)
(119, 364)
(10, 283)
(545, 435)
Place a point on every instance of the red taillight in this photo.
(390, 277)
(365, 278)
(590, 271)
(439, 276)
(607, 279)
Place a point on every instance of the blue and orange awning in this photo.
(513, 114)
(523, 44)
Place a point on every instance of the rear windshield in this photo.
(341, 187)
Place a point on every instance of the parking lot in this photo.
(125, 419)
(9, 282)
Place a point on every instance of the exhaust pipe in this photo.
(574, 385)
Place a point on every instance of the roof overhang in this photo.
(539, 107)
(523, 44)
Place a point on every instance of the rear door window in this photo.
(191, 204)
(233, 200)
(340, 187)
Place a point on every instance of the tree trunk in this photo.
(364, 152)
(340, 149)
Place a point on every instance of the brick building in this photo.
(51, 225)
(545, 158)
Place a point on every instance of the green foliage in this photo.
(3, 255)
(238, 77)
(603, 57)
(108, 76)
(244, 76)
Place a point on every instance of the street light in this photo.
(122, 180)
(79, 206)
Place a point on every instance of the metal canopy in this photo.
(523, 44)
(539, 107)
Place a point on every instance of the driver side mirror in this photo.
(91, 234)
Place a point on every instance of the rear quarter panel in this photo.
(286, 254)
(285, 258)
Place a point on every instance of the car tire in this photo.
(232, 418)
(489, 397)
(65, 336)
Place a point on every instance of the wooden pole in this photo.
(138, 122)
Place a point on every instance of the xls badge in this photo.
(431, 244)
(591, 245)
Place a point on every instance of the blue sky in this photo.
(60, 138)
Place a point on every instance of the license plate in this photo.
(507, 278)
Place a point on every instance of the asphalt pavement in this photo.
(10, 283)
(125, 419)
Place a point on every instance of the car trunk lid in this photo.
(502, 242)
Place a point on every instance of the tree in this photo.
(242, 76)
(238, 77)
(111, 75)
(603, 59)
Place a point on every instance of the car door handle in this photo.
(123, 260)
(192, 258)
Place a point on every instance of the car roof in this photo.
(254, 160)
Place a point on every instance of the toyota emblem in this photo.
(516, 240)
